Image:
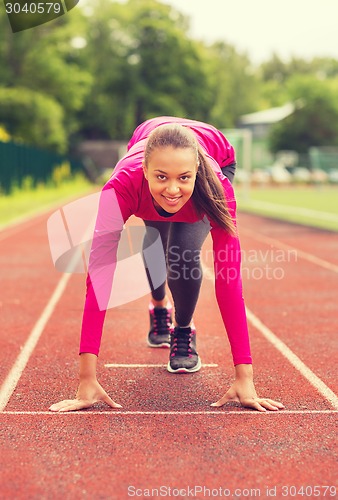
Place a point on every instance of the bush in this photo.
(4, 135)
(33, 118)
(61, 173)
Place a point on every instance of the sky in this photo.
(300, 28)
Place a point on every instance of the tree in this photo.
(233, 84)
(144, 65)
(314, 122)
(44, 61)
(33, 118)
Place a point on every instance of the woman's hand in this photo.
(243, 391)
(89, 392)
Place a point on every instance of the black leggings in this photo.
(182, 244)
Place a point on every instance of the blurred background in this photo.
(73, 90)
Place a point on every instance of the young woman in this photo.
(175, 177)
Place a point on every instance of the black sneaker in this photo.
(183, 355)
(160, 324)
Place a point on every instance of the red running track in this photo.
(166, 435)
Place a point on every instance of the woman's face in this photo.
(171, 174)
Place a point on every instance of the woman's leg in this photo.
(160, 309)
(184, 267)
(184, 280)
(153, 230)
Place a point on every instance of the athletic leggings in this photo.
(182, 244)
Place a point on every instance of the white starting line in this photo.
(117, 365)
(217, 412)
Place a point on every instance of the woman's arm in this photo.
(229, 294)
(102, 264)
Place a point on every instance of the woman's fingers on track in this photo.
(231, 395)
(260, 404)
(80, 404)
(108, 400)
(273, 405)
(225, 399)
(69, 404)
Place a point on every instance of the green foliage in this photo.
(280, 71)
(234, 86)
(33, 118)
(315, 120)
(61, 173)
(145, 65)
(44, 61)
(100, 70)
(4, 135)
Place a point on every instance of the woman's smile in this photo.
(172, 201)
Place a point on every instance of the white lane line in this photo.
(117, 365)
(219, 411)
(296, 362)
(300, 253)
(12, 379)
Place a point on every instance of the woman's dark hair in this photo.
(208, 195)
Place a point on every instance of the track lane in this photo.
(100, 455)
(318, 242)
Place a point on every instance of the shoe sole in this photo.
(185, 370)
(164, 344)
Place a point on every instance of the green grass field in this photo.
(310, 205)
(27, 202)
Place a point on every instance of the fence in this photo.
(324, 158)
(19, 162)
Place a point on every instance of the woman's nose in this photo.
(172, 188)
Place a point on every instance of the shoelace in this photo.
(181, 344)
(161, 320)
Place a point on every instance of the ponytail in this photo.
(208, 196)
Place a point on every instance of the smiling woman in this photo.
(173, 178)
(171, 175)
(174, 158)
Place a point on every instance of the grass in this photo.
(22, 203)
(315, 206)
(312, 206)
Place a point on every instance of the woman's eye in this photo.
(185, 178)
(161, 177)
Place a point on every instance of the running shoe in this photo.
(183, 355)
(160, 325)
